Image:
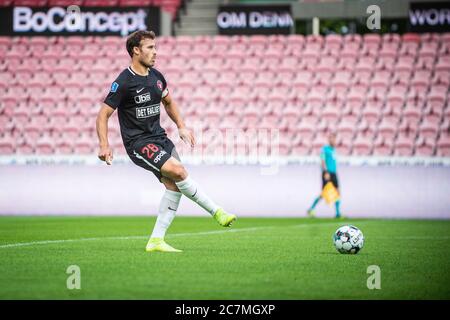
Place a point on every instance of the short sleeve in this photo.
(115, 95)
(323, 153)
(165, 88)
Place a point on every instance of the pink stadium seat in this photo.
(387, 129)
(411, 38)
(386, 63)
(391, 38)
(371, 113)
(24, 147)
(443, 146)
(317, 144)
(437, 96)
(331, 114)
(365, 64)
(305, 129)
(428, 50)
(350, 50)
(405, 63)
(336, 97)
(404, 146)
(362, 146)
(381, 79)
(412, 113)
(64, 147)
(432, 115)
(428, 129)
(352, 38)
(408, 49)
(341, 80)
(83, 146)
(344, 146)
(383, 147)
(7, 145)
(302, 148)
(326, 64)
(389, 49)
(441, 78)
(425, 63)
(420, 80)
(292, 114)
(44, 146)
(415, 97)
(425, 147)
(443, 64)
(356, 99)
(396, 99)
(372, 38)
(346, 130)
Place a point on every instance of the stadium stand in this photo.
(387, 95)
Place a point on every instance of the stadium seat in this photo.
(387, 129)
(443, 146)
(404, 146)
(362, 146)
(428, 129)
(383, 147)
(425, 147)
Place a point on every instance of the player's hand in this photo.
(327, 176)
(105, 154)
(187, 136)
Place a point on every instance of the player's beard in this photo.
(147, 64)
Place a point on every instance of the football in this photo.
(348, 239)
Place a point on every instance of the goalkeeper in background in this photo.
(328, 166)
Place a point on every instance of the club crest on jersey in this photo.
(159, 85)
(142, 98)
(114, 87)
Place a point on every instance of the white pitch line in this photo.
(25, 244)
(44, 242)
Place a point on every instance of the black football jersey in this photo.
(138, 100)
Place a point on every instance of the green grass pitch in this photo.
(258, 258)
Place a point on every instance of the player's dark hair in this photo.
(134, 39)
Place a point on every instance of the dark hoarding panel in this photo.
(254, 19)
(85, 21)
(429, 16)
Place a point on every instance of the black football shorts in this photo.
(151, 153)
(333, 179)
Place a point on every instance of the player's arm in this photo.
(105, 152)
(324, 165)
(174, 113)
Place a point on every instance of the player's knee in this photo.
(169, 184)
(179, 173)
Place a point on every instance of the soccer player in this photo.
(137, 93)
(329, 167)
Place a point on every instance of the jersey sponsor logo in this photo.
(159, 156)
(142, 98)
(114, 87)
(159, 85)
(147, 111)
